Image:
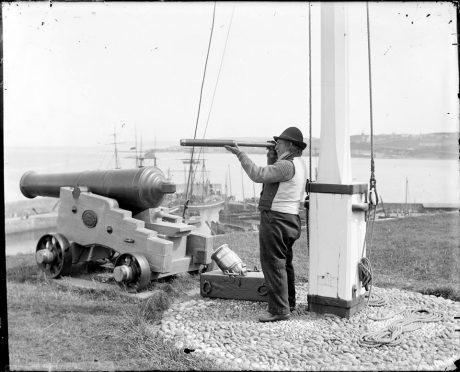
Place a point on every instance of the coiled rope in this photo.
(375, 300)
(393, 334)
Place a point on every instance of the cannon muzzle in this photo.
(135, 189)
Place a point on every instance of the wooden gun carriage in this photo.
(115, 217)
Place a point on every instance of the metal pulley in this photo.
(373, 196)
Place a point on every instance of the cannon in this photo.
(115, 218)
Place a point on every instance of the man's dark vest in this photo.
(269, 191)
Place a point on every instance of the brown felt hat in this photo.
(294, 135)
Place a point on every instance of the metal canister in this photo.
(228, 261)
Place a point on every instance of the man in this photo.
(284, 180)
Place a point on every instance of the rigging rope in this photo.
(220, 69)
(373, 196)
(412, 319)
(187, 200)
(364, 266)
(215, 89)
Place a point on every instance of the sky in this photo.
(75, 73)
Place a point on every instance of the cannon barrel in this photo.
(222, 143)
(134, 189)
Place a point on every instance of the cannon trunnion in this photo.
(142, 243)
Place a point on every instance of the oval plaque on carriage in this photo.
(89, 218)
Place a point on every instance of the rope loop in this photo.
(365, 272)
(375, 300)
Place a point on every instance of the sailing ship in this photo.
(198, 200)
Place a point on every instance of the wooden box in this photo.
(251, 287)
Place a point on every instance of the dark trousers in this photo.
(277, 234)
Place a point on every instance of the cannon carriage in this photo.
(115, 217)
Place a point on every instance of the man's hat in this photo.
(294, 135)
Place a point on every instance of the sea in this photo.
(398, 180)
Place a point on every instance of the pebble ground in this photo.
(229, 332)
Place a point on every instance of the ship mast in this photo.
(117, 160)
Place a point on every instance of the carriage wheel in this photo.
(53, 255)
(132, 271)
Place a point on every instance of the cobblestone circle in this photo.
(229, 332)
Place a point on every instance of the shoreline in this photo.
(32, 215)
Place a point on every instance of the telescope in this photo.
(114, 217)
(223, 142)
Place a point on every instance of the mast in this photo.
(203, 191)
(135, 146)
(226, 187)
(406, 209)
(117, 161)
(383, 206)
(334, 284)
(254, 194)
(229, 180)
(154, 151)
(242, 188)
(141, 155)
(185, 178)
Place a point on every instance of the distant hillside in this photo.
(422, 146)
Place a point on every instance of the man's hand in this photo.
(233, 149)
(272, 155)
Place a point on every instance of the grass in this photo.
(62, 328)
(418, 253)
(415, 253)
(55, 327)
